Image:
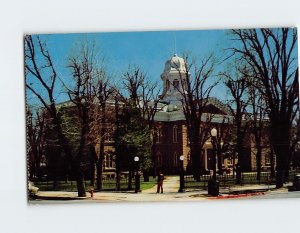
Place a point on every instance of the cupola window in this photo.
(176, 84)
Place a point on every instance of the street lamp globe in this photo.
(136, 158)
(181, 157)
(213, 132)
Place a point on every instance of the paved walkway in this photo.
(171, 185)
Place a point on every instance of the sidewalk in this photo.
(171, 186)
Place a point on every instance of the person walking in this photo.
(160, 181)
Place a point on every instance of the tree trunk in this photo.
(100, 173)
(146, 176)
(220, 160)
(240, 152)
(93, 163)
(101, 149)
(196, 163)
(130, 180)
(118, 181)
(272, 161)
(280, 135)
(239, 167)
(80, 184)
(118, 174)
(258, 162)
(154, 159)
(92, 174)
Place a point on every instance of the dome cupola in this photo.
(174, 65)
(174, 79)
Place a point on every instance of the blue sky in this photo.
(149, 50)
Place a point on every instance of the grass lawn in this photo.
(107, 185)
(147, 185)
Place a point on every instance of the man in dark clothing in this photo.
(160, 180)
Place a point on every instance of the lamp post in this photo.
(213, 184)
(137, 175)
(181, 187)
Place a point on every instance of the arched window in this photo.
(167, 85)
(176, 84)
(175, 134)
(176, 159)
(109, 159)
(106, 158)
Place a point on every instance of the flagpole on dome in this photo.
(175, 52)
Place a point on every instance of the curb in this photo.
(60, 198)
(238, 195)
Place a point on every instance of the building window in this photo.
(267, 159)
(167, 85)
(175, 134)
(176, 84)
(159, 134)
(109, 160)
(189, 158)
(229, 161)
(176, 159)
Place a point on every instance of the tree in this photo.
(41, 78)
(135, 118)
(272, 56)
(81, 95)
(195, 92)
(36, 141)
(258, 121)
(223, 141)
(132, 138)
(237, 86)
(103, 92)
(146, 96)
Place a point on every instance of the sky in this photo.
(148, 50)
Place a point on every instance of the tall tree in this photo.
(195, 92)
(259, 125)
(237, 86)
(223, 139)
(135, 120)
(36, 141)
(103, 123)
(272, 56)
(41, 79)
(82, 66)
(147, 96)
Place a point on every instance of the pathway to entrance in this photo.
(171, 185)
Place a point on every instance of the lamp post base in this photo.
(181, 190)
(213, 187)
(137, 184)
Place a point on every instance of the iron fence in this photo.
(109, 184)
(227, 180)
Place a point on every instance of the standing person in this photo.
(160, 181)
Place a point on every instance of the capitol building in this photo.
(172, 139)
